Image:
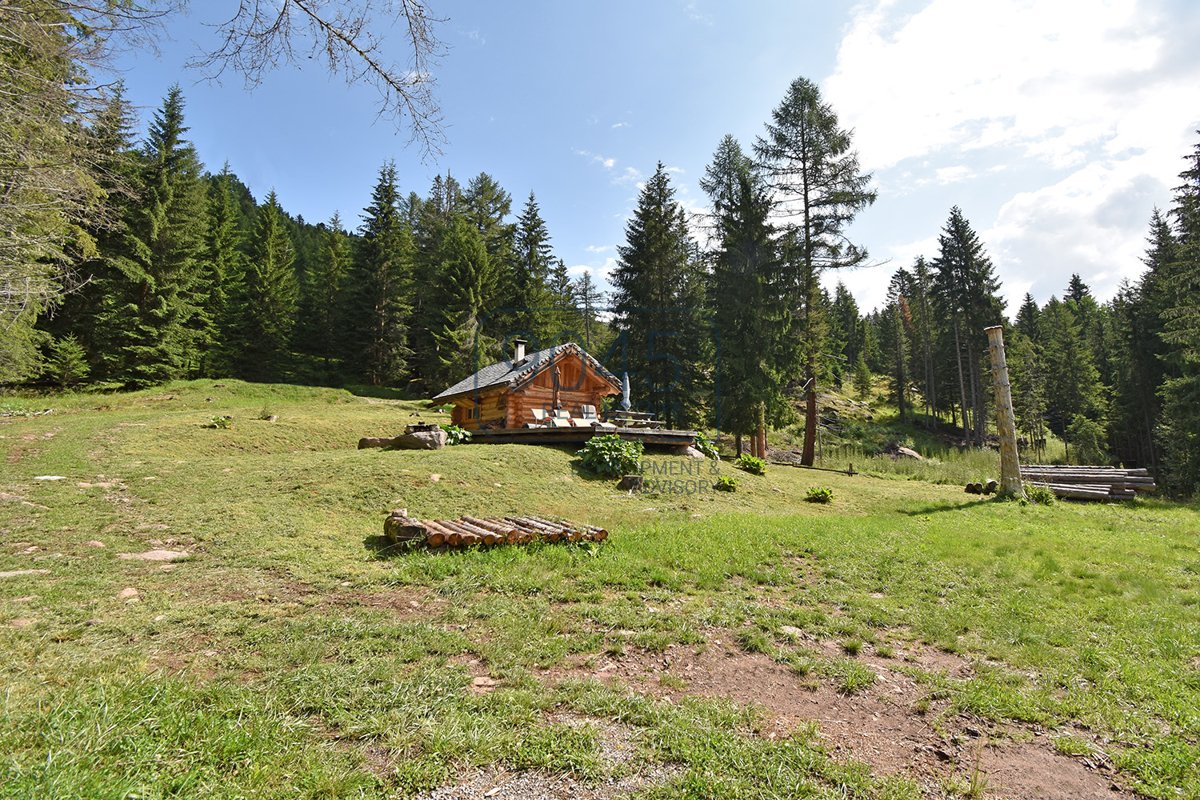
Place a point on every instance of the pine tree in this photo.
(433, 217)
(591, 301)
(1027, 318)
(487, 206)
(528, 287)
(809, 163)
(323, 295)
(845, 325)
(1072, 382)
(378, 299)
(749, 317)
(1180, 421)
(468, 290)
(658, 307)
(862, 377)
(266, 299)
(1027, 375)
(150, 320)
(225, 273)
(965, 296)
(896, 341)
(924, 333)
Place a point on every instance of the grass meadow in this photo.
(294, 654)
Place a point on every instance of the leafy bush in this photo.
(611, 456)
(819, 494)
(1040, 495)
(1088, 437)
(222, 422)
(456, 435)
(752, 464)
(726, 483)
(707, 446)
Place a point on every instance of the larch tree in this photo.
(819, 188)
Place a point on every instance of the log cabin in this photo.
(505, 394)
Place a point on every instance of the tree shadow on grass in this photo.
(382, 548)
(940, 507)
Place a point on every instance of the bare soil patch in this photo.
(882, 726)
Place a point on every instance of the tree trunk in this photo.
(1006, 425)
(810, 419)
(962, 388)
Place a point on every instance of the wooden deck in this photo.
(647, 436)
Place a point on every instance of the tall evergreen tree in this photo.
(224, 273)
(467, 291)
(1180, 426)
(1072, 381)
(488, 206)
(896, 338)
(150, 321)
(965, 296)
(820, 187)
(528, 286)
(591, 303)
(267, 299)
(749, 316)
(378, 299)
(658, 301)
(323, 296)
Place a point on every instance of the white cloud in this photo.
(617, 125)
(598, 248)
(604, 161)
(1071, 117)
(629, 175)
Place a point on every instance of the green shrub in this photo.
(726, 483)
(223, 422)
(611, 456)
(456, 435)
(819, 494)
(707, 446)
(1040, 495)
(752, 464)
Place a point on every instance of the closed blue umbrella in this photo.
(625, 391)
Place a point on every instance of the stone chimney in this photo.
(519, 351)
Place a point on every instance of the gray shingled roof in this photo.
(505, 372)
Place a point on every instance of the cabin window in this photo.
(476, 410)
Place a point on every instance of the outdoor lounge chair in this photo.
(540, 420)
(588, 417)
(560, 419)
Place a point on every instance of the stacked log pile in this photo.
(1090, 483)
(399, 527)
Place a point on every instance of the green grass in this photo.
(297, 655)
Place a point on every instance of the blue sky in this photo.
(1055, 126)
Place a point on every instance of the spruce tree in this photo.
(267, 299)
(149, 320)
(323, 292)
(749, 316)
(810, 164)
(591, 303)
(965, 296)
(896, 338)
(658, 307)
(224, 273)
(1072, 382)
(469, 287)
(378, 299)
(487, 206)
(528, 287)
(1180, 421)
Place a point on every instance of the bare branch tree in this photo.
(265, 34)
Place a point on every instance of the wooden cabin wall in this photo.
(493, 410)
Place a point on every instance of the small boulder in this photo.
(129, 595)
(373, 441)
(630, 483)
(420, 440)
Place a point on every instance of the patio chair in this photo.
(540, 420)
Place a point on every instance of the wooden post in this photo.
(1006, 425)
